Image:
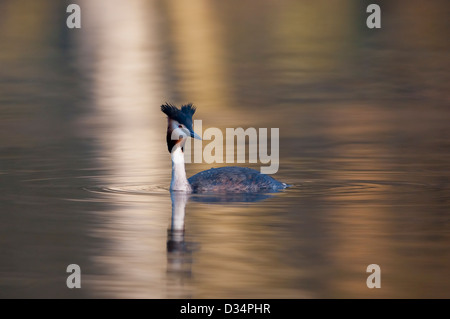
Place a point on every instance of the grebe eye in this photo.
(180, 126)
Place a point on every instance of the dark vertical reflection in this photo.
(43, 161)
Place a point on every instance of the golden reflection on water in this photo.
(254, 250)
(199, 54)
(125, 91)
(114, 44)
(310, 33)
(364, 137)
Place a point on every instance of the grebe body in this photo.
(231, 179)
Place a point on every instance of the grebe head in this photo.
(179, 126)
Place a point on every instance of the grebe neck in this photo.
(179, 181)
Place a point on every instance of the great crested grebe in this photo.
(224, 179)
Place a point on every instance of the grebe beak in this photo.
(195, 135)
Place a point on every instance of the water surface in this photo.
(364, 138)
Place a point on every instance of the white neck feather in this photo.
(179, 181)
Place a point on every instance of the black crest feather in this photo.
(183, 115)
(188, 109)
